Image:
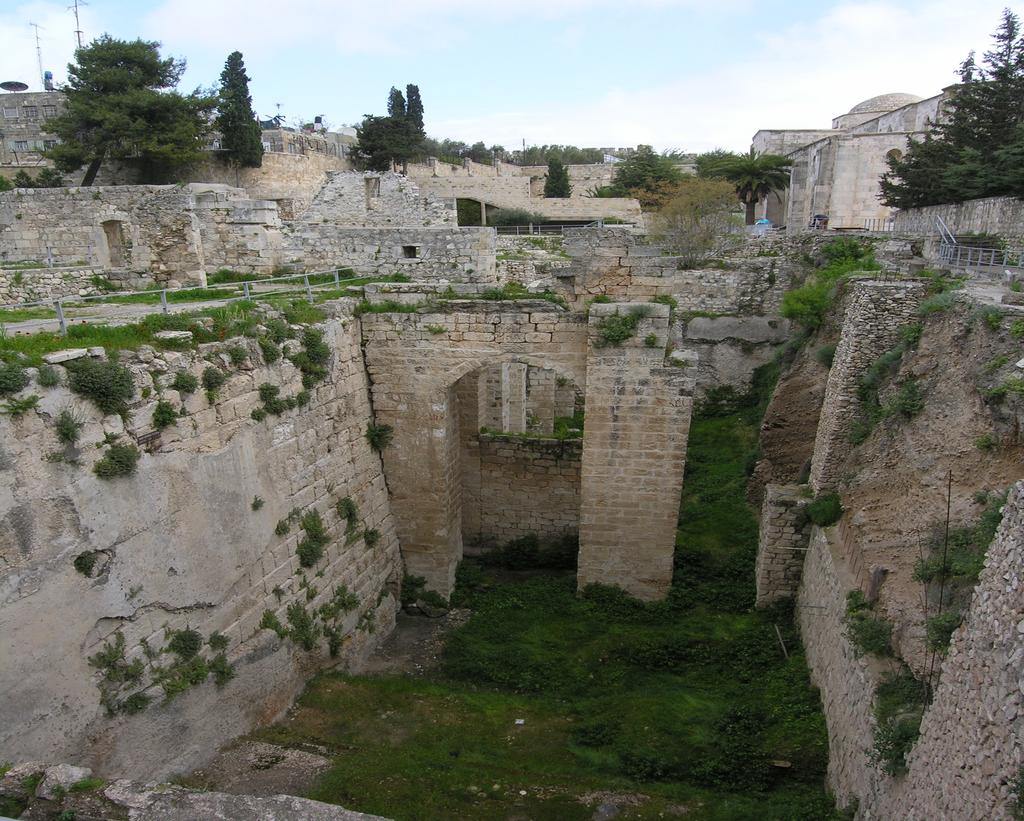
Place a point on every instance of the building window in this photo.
(48, 144)
(10, 113)
(21, 145)
(30, 112)
(49, 111)
(410, 251)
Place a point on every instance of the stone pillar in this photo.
(483, 213)
(540, 399)
(565, 396)
(782, 543)
(467, 392)
(877, 310)
(634, 450)
(513, 397)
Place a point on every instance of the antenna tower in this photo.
(78, 25)
(39, 54)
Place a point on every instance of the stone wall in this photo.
(373, 200)
(781, 543)
(424, 254)
(877, 310)
(730, 348)
(182, 543)
(847, 683)
(971, 748)
(39, 284)
(421, 365)
(993, 215)
(528, 486)
(638, 411)
(617, 262)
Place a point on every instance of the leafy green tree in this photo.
(23, 180)
(414, 109)
(707, 163)
(644, 174)
(5, 184)
(121, 105)
(753, 176)
(241, 136)
(398, 137)
(396, 104)
(557, 183)
(697, 219)
(50, 178)
(977, 149)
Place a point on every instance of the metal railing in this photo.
(305, 283)
(956, 255)
(535, 229)
(880, 224)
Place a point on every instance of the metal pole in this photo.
(337, 282)
(163, 300)
(60, 317)
(245, 289)
(309, 291)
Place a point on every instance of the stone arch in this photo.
(894, 154)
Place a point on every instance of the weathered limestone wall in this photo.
(374, 200)
(730, 348)
(526, 259)
(638, 411)
(149, 227)
(37, 284)
(847, 683)
(179, 544)
(971, 748)
(528, 486)
(781, 543)
(876, 312)
(992, 215)
(416, 362)
(615, 261)
(442, 253)
(240, 234)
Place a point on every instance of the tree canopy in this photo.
(753, 176)
(977, 149)
(697, 219)
(557, 182)
(646, 175)
(121, 105)
(398, 137)
(241, 137)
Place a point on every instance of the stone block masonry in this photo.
(781, 544)
(181, 544)
(634, 451)
(528, 486)
(876, 311)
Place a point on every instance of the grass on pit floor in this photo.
(687, 702)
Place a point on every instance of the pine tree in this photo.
(120, 105)
(241, 137)
(977, 150)
(414, 110)
(557, 183)
(396, 104)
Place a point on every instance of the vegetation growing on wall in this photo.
(900, 702)
(107, 384)
(867, 632)
(808, 304)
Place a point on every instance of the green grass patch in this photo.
(688, 701)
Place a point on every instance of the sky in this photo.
(689, 75)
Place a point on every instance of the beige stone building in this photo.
(23, 134)
(836, 171)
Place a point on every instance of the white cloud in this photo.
(799, 77)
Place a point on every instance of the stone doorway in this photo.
(113, 234)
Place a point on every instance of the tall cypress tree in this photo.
(414, 110)
(241, 136)
(557, 183)
(396, 104)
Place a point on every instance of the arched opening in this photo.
(113, 234)
(894, 154)
(520, 428)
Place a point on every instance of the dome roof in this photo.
(885, 102)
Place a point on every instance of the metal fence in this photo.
(956, 255)
(535, 229)
(880, 224)
(305, 284)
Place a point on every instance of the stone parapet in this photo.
(782, 543)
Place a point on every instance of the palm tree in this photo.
(754, 177)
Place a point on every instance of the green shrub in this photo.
(615, 329)
(238, 355)
(257, 503)
(268, 392)
(217, 641)
(991, 316)
(185, 643)
(866, 632)
(259, 414)
(271, 352)
(371, 537)
(164, 415)
(908, 401)
(379, 436)
(13, 378)
(88, 784)
(651, 341)
(808, 304)
(213, 378)
(278, 330)
(514, 216)
(49, 377)
(104, 382)
(899, 706)
(185, 382)
(825, 510)
(119, 460)
(313, 358)
(825, 354)
(939, 630)
(270, 621)
(222, 670)
(69, 426)
(985, 442)
(304, 630)
(348, 511)
(937, 304)
(1017, 328)
(85, 562)
(311, 549)
(343, 601)
(16, 406)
